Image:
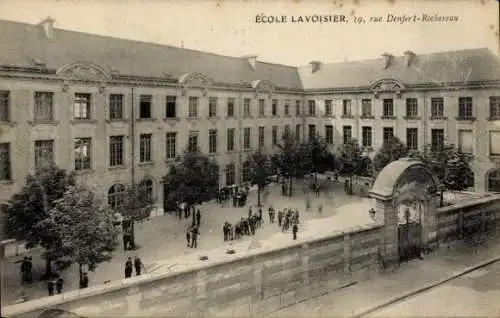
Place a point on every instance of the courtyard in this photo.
(162, 238)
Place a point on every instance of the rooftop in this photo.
(28, 45)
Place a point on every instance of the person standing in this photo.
(138, 265)
(50, 287)
(84, 283)
(128, 268)
(280, 217)
(198, 217)
(24, 270)
(59, 285)
(188, 237)
(261, 220)
(194, 237)
(270, 211)
(295, 229)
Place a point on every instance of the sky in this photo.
(229, 27)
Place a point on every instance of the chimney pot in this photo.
(316, 66)
(252, 60)
(387, 59)
(409, 55)
(48, 27)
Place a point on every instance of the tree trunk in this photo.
(258, 195)
(350, 185)
(290, 193)
(80, 271)
(48, 268)
(192, 211)
(441, 199)
(315, 177)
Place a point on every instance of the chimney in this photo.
(252, 60)
(315, 66)
(409, 55)
(48, 27)
(387, 59)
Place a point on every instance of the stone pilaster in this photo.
(429, 223)
(389, 239)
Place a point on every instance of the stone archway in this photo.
(406, 189)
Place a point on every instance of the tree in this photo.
(85, 228)
(287, 160)
(390, 151)
(315, 157)
(31, 206)
(193, 179)
(351, 162)
(260, 172)
(451, 167)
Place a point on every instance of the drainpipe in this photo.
(425, 115)
(240, 138)
(132, 136)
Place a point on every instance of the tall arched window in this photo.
(146, 189)
(246, 172)
(494, 181)
(230, 174)
(116, 195)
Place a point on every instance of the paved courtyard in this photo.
(163, 238)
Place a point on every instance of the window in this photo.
(230, 107)
(347, 134)
(44, 152)
(193, 107)
(275, 135)
(366, 136)
(387, 134)
(145, 147)
(328, 107)
(212, 107)
(212, 141)
(262, 107)
(366, 108)
(274, 107)
(329, 134)
(411, 107)
(171, 107)
(145, 106)
(286, 109)
(297, 107)
(146, 189)
(193, 141)
(312, 108)
(465, 141)
(115, 151)
(495, 107)
(261, 137)
(5, 167)
(437, 139)
(246, 107)
(115, 106)
(388, 107)
(495, 143)
(246, 171)
(82, 153)
(171, 144)
(346, 107)
(312, 131)
(298, 131)
(286, 129)
(4, 105)
(246, 137)
(230, 139)
(43, 105)
(437, 107)
(494, 181)
(230, 174)
(412, 138)
(465, 107)
(82, 106)
(116, 196)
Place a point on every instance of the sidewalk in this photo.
(361, 298)
(163, 238)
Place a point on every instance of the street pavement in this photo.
(163, 238)
(475, 294)
(480, 287)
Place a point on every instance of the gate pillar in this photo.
(385, 212)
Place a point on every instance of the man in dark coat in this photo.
(194, 237)
(50, 287)
(59, 285)
(295, 229)
(198, 217)
(128, 268)
(280, 217)
(84, 283)
(138, 265)
(188, 237)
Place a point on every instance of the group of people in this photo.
(244, 226)
(58, 284)
(286, 218)
(129, 265)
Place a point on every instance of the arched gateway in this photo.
(406, 194)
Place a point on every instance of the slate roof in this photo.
(473, 65)
(22, 44)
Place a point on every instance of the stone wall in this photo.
(259, 282)
(449, 218)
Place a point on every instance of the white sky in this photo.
(228, 27)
